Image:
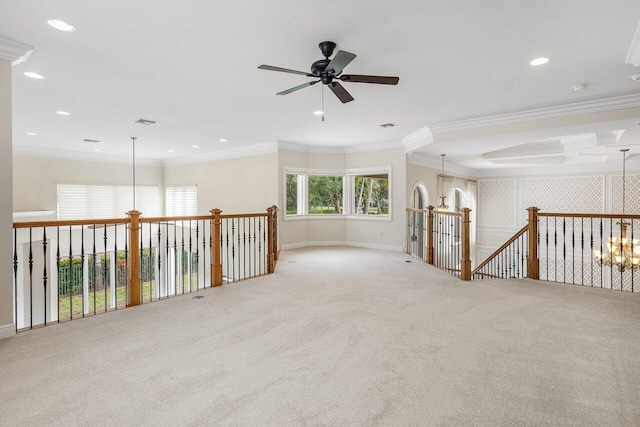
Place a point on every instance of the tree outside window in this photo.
(371, 194)
(292, 195)
(325, 194)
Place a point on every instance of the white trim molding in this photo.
(633, 56)
(7, 331)
(251, 150)
(577, 108)
(418, 139)
(14, 52)
(22, 150)
(342, 243)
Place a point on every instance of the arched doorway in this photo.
(417, 221)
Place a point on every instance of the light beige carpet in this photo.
(338, 336)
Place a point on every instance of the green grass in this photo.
(102, 302)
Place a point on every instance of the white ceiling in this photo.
(192, 66)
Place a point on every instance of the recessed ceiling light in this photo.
(33, 75)
(97, 150)
(31, 134)
(223, 140)
(63, 113)
(318, 113)
(61, 25)
(171, 151)
(539, 61)
(195, 146)
(576, 88)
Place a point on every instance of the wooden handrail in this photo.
(586, 215)
(500, 249)
(67, 222)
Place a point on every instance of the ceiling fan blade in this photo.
(293, 89)
(341, 60)
(284, 70)
(341, 92)
(381, 80)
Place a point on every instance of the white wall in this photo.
(502, 201)
(36, 179)
(7, 327)
(380, 232)
(236, 185)
(377, 233)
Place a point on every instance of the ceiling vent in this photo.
(388, 125)
(146, 122)
(91, 140)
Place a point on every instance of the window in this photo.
(325, 194)
(79, 201)
(181, 201)
(293, 188)
(371, 194)
(329, 193)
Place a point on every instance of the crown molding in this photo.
(372, 147)
(633, 56)
(21, 150)
(251, 150)
(417, 139)
(292, 146)
(14, 52)
(609, 167)
(585, 107)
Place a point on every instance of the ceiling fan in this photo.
(327, 70)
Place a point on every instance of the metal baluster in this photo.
(610, 238)
(601, 248)
(93, 273)
(58, 267)
(159, 269)
(44, 273)
(105, 269)
(30, 280)
(175, 258)
(117, 277)
(182, 258)
(573, 254)
(15, 273)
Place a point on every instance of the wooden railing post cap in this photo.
(270, 209)
(215, 211)
(133, 212)
(533, 209)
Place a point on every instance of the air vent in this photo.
(146, 122)
(91, 140)
(388, 125)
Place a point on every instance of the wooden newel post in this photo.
(275, 232)
(465, 262)
(216, 259)
(430, 235)
(270, 257)
(533, 263)
(134, 258)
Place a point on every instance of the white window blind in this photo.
(181, 201)
(79, 201)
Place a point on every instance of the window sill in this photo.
(338, 216)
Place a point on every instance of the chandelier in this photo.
(442, 206)
(624, 253)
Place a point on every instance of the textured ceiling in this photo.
(192, 66)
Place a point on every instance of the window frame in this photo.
(348, 192)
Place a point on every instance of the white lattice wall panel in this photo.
(588, 273)
(496, 203)
(632, 196)
(576, 194)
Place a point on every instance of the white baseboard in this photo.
(342, 243)
(7, 331)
